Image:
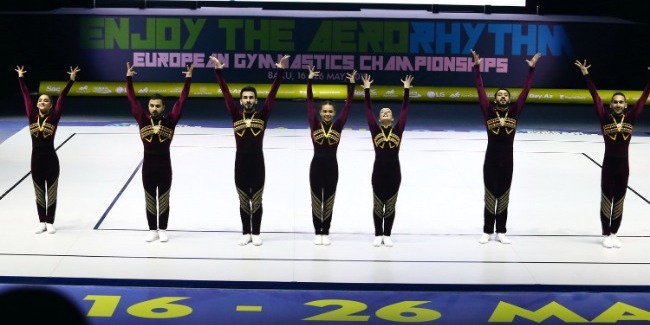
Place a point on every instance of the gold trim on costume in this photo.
(164, 133)
(384, 209)
(250, 205)
(163, 201)
(332, 136)
(328, 207)
(390, 206)
(613, 129)
(617, 211)
(40, 195)
(150, 203)
(244, 202)
(605, 205)
(52, 192)
(316, 206)
(495, 124)
(496, 205)
(256, 201)
(490, 201)
(381, 139)
(378, 206)
(502, 201)
(42, 127)
(256, 125)
(320, 210)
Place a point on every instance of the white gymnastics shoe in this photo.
(378, 240)
(485, 238)
(244, 240)
(50, 228)
(40, 228)
(326, 240)
(162, 234)
(388, 242)
(503, 239)
(607, 242)
(151, 236)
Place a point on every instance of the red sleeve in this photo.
(136, 108)
(401, 122)
(227, 96)
(311, 110)
(59, 102)
(482, 97)
(28, 100)
(370, 116)
(270, 99)
(177, 110)
(600, 109)
(345, 112)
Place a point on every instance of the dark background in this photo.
(633, 10)
(209, 111)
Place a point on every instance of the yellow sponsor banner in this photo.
(333, 92)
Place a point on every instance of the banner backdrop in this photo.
(330, 92)
(436, 51)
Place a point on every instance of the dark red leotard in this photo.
(156, 135)
(386, 172)
(249, 158)
(324, 169)
(44, 161)
(501, 126)
(617, 132)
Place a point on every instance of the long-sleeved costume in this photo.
(44, 161)
(156, 135)
(324, 168)
(386, 171)
(617, 132)
(249, 158)
(501, 126)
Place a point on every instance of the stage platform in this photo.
(99, 246)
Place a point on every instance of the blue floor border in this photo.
(194, 302)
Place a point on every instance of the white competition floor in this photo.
(553, 215)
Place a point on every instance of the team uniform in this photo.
(617, 132)
(157, 134)
(501, 126)
(386, 173)
(44, 160)
(249, 158)
(324, 169)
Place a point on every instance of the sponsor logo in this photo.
(540, 96)
(390, 93)
(566, 97)
(101, 90)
